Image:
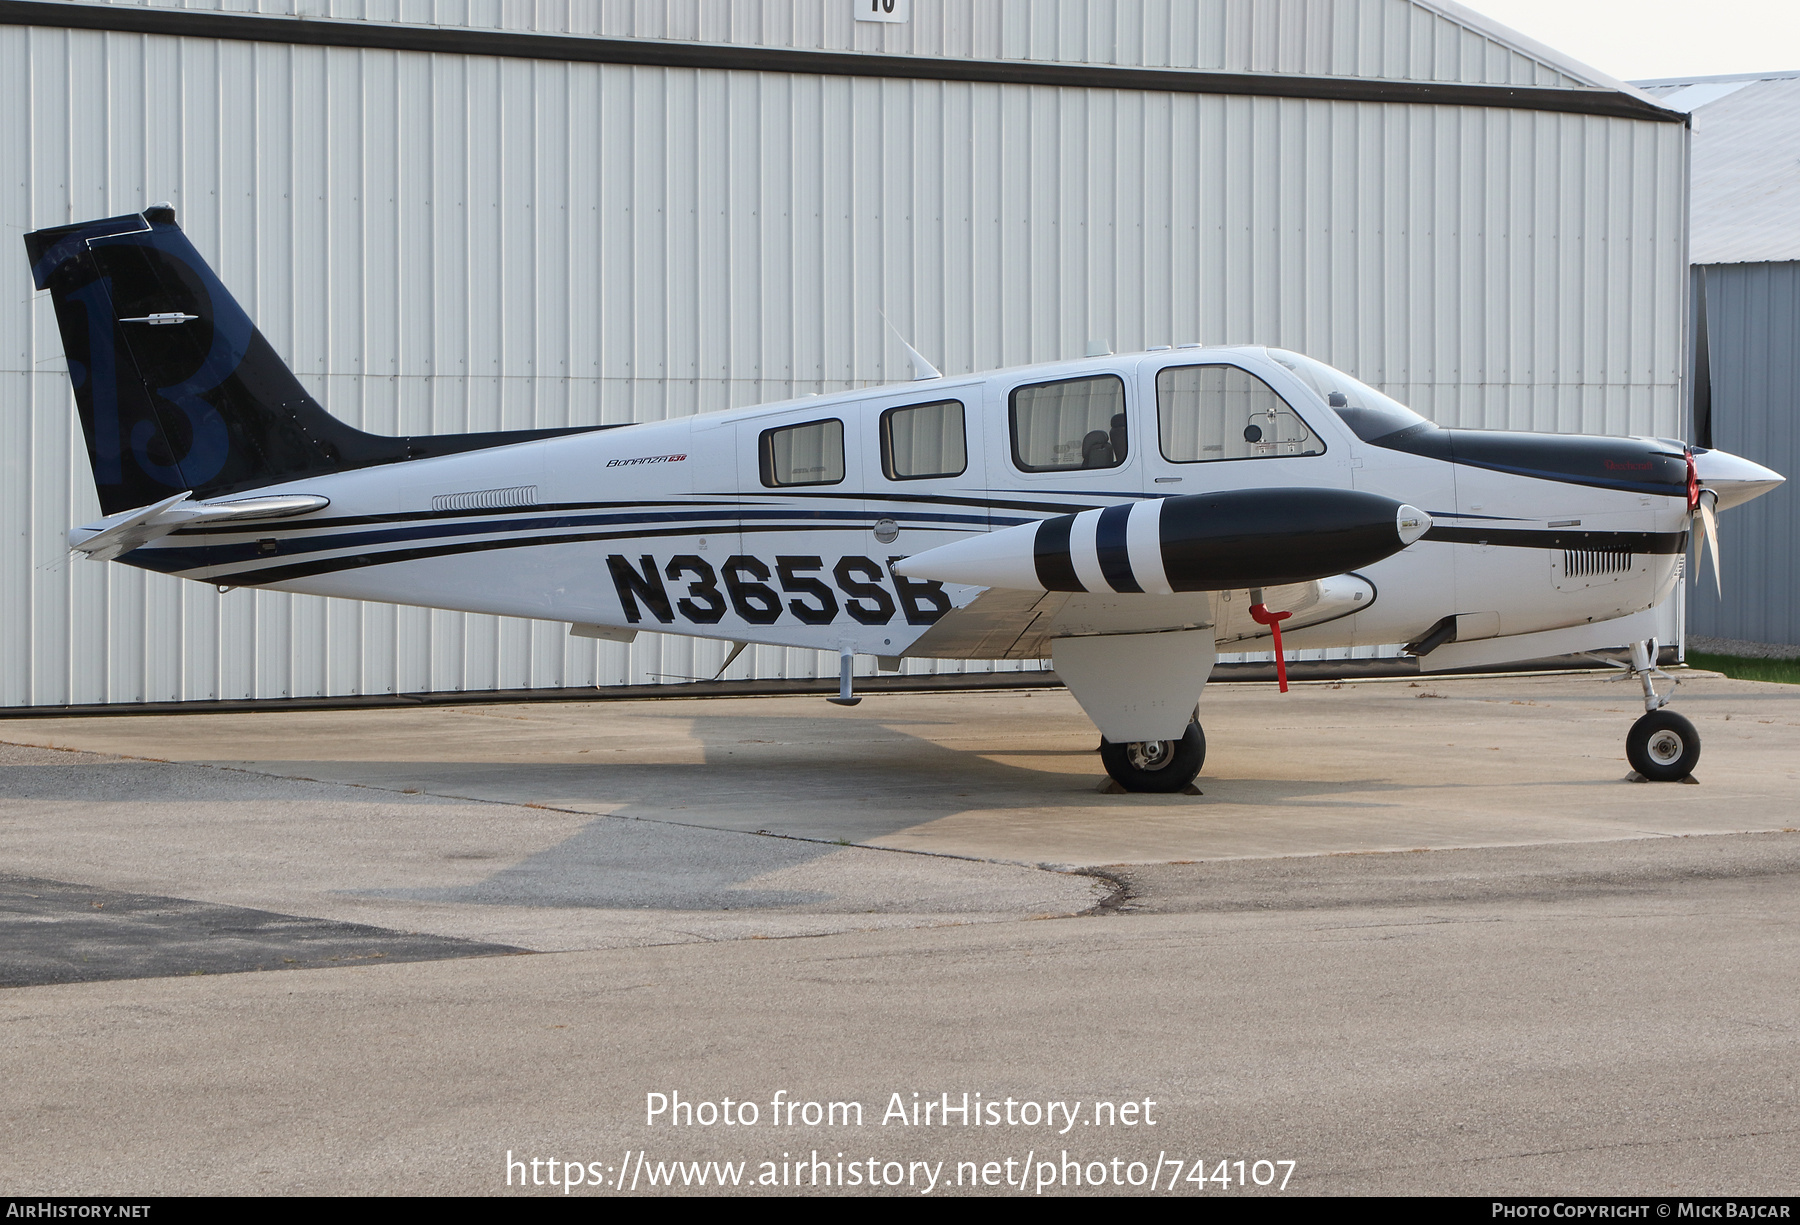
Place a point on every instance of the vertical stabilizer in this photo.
(176, 388)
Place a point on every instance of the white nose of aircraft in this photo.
(1732, 478)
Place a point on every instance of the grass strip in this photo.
(1737, 667)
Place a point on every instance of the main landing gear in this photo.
(1156, 765)
(1662, 746)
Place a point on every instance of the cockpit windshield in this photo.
(1368, 413)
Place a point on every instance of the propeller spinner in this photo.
(1719, 480)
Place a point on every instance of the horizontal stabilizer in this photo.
(120, 534)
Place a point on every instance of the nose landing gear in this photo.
(1662, 746)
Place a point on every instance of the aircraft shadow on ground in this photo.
(777, 775)
(759, 775)
(674, 833)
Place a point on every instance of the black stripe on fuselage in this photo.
(356, 561)
(263, 528)
(987, 502)
(252, 543)
(1604, 542)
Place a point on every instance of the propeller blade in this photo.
(1710, 534)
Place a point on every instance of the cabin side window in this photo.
(1069, 425)
(810, 454)
(923, 440)
(1205, 413)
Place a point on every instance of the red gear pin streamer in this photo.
(1262, 616)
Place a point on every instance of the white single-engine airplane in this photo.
(1126, 515)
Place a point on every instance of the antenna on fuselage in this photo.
(921, 368)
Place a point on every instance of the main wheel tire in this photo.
(1156, 765)
(1663, 747)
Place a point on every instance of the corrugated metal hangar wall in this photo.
(504, 214)
(1753, 334)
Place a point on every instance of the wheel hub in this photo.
(1665, 748)
(1150, 754)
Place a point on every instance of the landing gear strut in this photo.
(1662, 746)
(1156, 765)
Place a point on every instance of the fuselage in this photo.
(782, 523)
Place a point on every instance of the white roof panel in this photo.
(1690, 98)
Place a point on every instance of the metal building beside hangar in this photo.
(478, 214)
(1746, 333)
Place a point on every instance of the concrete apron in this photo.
(1012, 776)
(1596, 1019)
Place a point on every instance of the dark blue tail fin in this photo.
(176, 388)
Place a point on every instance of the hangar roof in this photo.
(1437, 42)
(1746, 164)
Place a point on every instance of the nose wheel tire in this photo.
(1156, 765)
(1663, 747)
